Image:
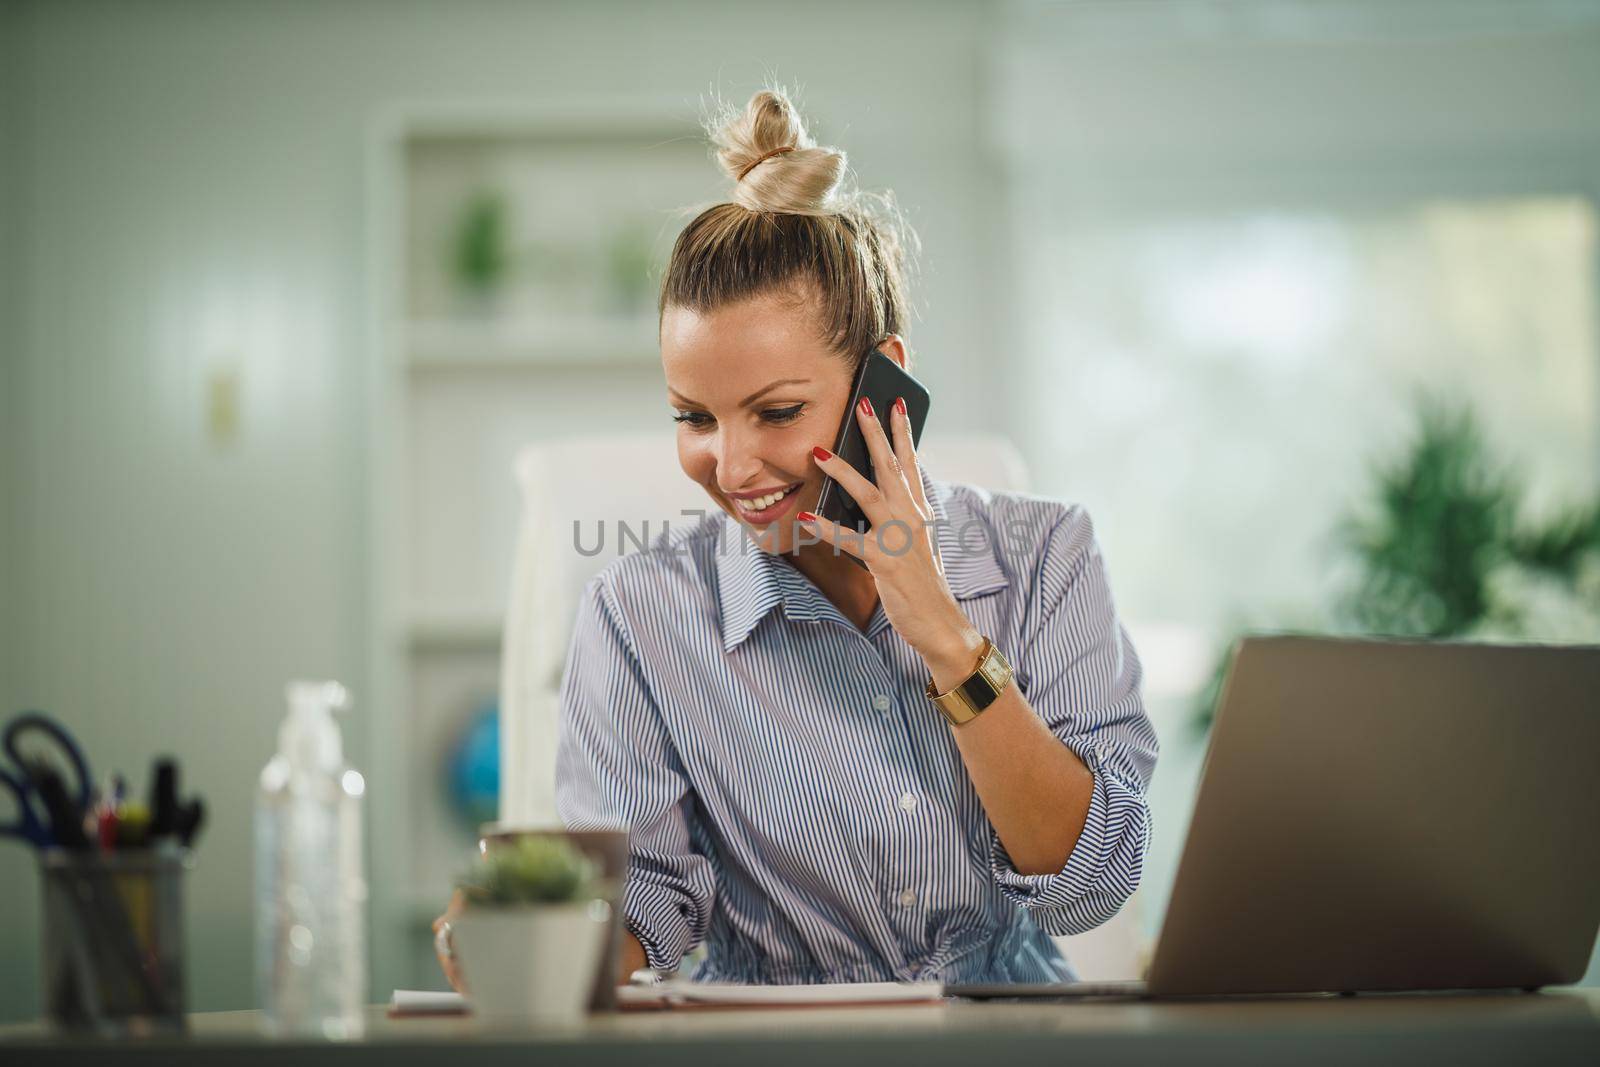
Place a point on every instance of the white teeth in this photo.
(761, 503)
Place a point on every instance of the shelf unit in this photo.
(443, 345)
(458, 384)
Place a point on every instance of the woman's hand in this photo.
(901, 550)
(449, 963)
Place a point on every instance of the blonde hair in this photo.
(794, 227)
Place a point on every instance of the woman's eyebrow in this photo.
(752, 398)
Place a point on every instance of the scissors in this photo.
(45, 811)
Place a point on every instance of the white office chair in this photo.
(569, 488)
(566, 485)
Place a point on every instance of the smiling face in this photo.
(753, 389)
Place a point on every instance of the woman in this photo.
(760, 717)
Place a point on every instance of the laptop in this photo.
(1379, 815)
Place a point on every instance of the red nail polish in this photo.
(820, 452)
(866, 406)
(900, 404)
(806, 516)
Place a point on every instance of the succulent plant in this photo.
(532, 870)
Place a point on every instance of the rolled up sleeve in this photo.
(616, 766)
(1078, 670)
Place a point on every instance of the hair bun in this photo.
(775, 165)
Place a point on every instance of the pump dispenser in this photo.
(311, 891)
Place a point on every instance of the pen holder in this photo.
(112, 957)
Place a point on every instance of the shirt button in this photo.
(908, 801)
(908, 897)
(881, 702)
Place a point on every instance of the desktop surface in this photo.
(1555, 1026)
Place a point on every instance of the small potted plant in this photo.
(480, 257)
(531, 931)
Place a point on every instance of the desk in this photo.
(1560, 1026)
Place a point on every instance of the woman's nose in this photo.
(737, 462)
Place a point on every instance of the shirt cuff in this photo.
(655, 915)
(1099, 874)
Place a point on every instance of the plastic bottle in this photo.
(311, 889)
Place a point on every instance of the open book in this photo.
(673, 992)
(426, 1002)
(677, 991)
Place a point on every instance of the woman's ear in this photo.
(894, 346)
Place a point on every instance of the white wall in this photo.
(197, 197)
(11, 302)
(18, 892)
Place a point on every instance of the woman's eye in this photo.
(781, 414)
(699, 420)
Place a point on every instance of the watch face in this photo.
(978, 691)
(996, 671)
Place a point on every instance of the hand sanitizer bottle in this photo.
(311, 892)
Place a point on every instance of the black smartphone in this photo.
(880, 380)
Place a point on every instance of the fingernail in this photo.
(805, 516)
(820, 452)
(900, 404)
(866, 407)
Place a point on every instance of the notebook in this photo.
(677, 992)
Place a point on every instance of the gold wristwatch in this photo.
(989, 680)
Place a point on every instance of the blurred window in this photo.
(1214, 386)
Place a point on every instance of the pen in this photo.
(190, 819)
(164, 798)
(106, 819)
(106, 828)
(66, 821)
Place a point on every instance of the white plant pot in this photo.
(532, 963)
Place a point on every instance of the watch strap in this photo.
(987, 681)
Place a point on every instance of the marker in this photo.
(164, 798)
(106, 826)
(66, 821)
(133, 825)
(190, 821)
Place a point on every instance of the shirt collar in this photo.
(751, 582)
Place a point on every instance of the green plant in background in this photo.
(1442, 552)
(1444, 518)
(1562, 546)
(1445, 531)
(481, 253)
(532, 870)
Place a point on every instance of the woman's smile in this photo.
(762, 509)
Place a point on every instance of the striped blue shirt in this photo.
(793, 797)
